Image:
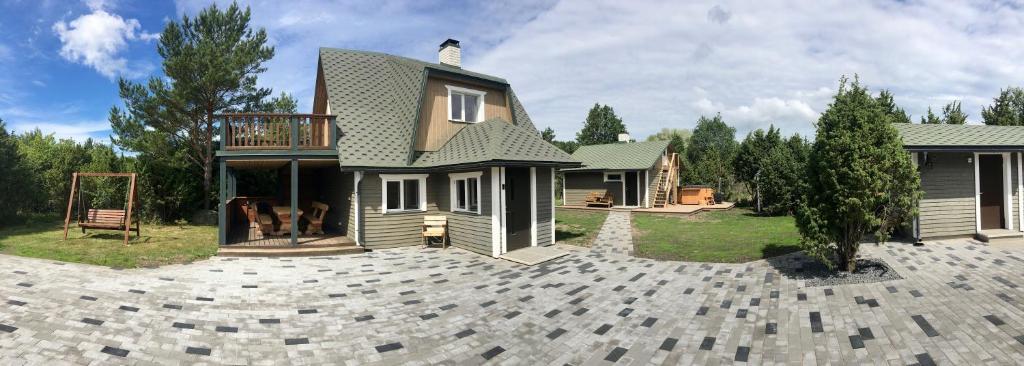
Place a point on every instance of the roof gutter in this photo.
(963, 148)
(477, 165)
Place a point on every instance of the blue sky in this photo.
(659, 64)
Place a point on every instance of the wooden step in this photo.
(297, 251)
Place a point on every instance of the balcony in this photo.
(274, 131)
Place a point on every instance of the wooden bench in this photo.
(599, 199)
(316, 218)
(106, 220)
(435, 227)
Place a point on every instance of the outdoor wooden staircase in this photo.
(667, 181)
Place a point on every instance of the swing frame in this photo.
(125, 225)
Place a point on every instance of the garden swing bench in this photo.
(104, 219)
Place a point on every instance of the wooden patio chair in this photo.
(266, 223)
(599, 199)
(316, 218)
(435, 227)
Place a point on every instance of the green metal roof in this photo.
(377, 100)
(495, 140)
(938, 135)
(620, 156)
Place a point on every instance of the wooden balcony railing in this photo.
(274, 131)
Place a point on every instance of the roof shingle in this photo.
(620, 156)
(377, 96)
(939, 135)
(494, 140)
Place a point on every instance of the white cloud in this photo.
(787, 114)
(97, 39)
(663, 64)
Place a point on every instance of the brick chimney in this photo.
(450, 53)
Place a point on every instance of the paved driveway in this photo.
(960, 303)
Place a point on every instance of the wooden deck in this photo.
(254, 238)
(687, 209)
(668, 209)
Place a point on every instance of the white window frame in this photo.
(622, 177)
(453, 200)
(385, 178)
(463, 91)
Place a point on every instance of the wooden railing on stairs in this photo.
(668, 182)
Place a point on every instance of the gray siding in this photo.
(544, 203)
(579, 184)
(947, 208)
(392, 229)
(468, 231)
(653, 184)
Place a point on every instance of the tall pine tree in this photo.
(602, 126)
(1006, 110)
(210, 63)
(888, 105)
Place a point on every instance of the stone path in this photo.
(616, 235)
(960, 302)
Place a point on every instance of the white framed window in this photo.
(465, 105)
(465, 192)
(612, 176)
(403, 192)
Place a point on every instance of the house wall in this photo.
(544, 219)
(947, 207)
(469, 231)
(435, 129)
(579, 184)
(653, 186)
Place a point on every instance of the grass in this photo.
(732, 236)
(578, 227)
(158, 244)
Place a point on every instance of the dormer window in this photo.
(465, 105)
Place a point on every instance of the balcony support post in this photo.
(295, 202)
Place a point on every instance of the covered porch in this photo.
(283, 203)
(280, 182)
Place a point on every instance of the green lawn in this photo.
(578, 227)
(732, 236)
(158, 245)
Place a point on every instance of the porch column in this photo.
(222, 212)
(295, 202)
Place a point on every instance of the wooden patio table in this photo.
(284, 214)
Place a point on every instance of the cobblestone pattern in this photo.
(959, 303)
(616, 236)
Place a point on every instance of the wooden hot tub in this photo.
(697, 195)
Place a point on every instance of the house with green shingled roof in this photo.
(971, 180)
(390, 141)
(633, 174)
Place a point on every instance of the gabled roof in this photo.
(377, 100)
(620, 156)
(494, 140)
(942, 136)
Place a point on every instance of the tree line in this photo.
(853, 179)
(166, 130)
